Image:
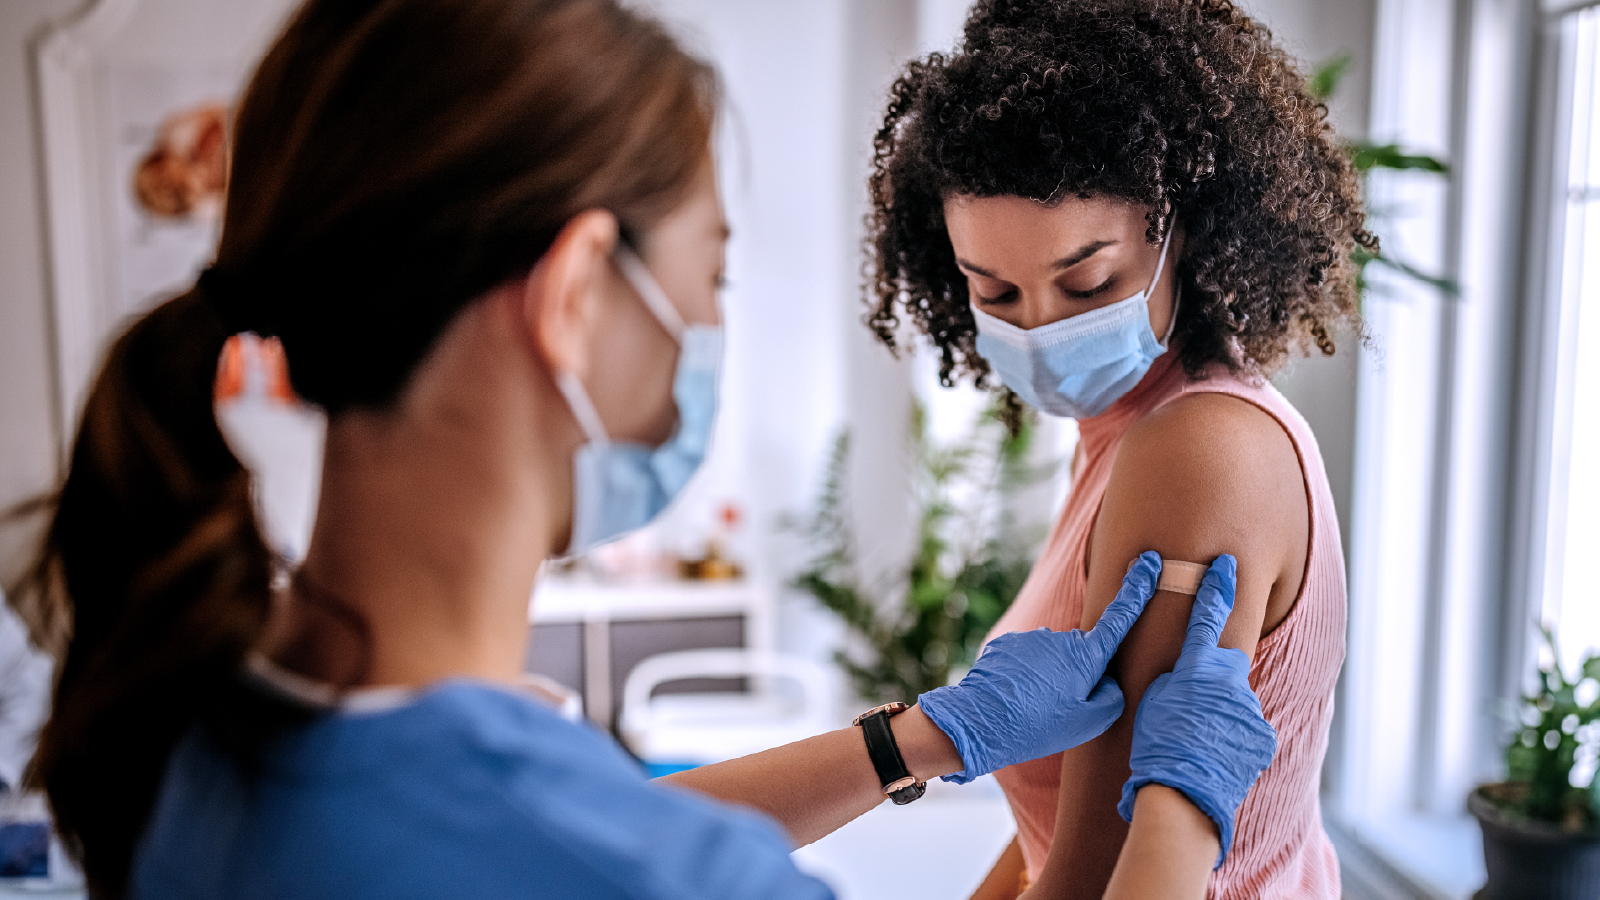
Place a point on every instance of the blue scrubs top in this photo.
(466, 790)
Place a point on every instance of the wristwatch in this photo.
(897, 781)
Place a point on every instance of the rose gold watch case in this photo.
(892, 709)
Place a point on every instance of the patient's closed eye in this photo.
(1096, 291)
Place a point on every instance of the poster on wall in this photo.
(169, 144)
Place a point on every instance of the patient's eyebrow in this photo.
(976, 270)
(1081, 254)
(1065, 262)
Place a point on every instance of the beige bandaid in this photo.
(1181, 577)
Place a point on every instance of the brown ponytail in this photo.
(394, 160)
(155, 541)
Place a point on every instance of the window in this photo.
(1571, 593)
(1479, 428)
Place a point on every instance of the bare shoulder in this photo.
(1207, 439)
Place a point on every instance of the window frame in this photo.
(1486, 515)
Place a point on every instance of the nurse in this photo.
(488, 235)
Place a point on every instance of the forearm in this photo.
(1089, 835)
(1094, 854)
(814, 786)
(1169, 852)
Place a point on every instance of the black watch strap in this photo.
(896, 779)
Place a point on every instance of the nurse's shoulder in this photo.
(464, 790)
(575, 788)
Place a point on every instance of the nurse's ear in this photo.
(560, 297)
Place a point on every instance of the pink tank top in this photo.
(1280, 849)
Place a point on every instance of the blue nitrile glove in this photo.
(1034, 693)
(1199, 727)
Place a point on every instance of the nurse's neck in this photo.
(434, 518)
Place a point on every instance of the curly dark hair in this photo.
(1186, 107)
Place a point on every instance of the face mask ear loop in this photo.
(1161, 262)
(582, 408)
(655, 299)
(1172, 324)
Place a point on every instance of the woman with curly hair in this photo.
(1132, 213)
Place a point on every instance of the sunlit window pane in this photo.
(1577, 605)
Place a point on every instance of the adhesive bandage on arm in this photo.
(1181, 577)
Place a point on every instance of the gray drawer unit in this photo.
(588, 634)
(634, 640)
(557, 650)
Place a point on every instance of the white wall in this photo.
(28, 426)
(804, 86)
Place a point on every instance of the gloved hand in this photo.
(1199, 728)
(1034, 693)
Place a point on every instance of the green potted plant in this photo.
(971, 558)
(1541, 830)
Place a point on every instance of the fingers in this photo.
(1103, 706)
(1138, 586)
(1235, 661)
(1212, 604)
(1018, 649)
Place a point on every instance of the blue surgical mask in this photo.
(1079, 366)
(619, 487)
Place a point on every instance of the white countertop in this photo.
(578, 599)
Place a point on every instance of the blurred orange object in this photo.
(230, 370)
(275, 366)
(244, 353)
(711, 567)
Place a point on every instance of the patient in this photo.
(1132, 213)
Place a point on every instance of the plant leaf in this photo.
(1366, 157)
(1521, 761)
(1594, 799)
(1325, 78)
(1443, 284)
(969, 562)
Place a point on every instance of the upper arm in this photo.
(1205, 475)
